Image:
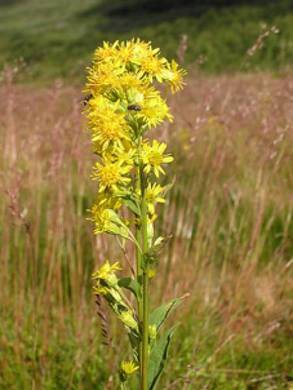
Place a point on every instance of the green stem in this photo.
(142, 275)
(145, 286)
(139, 259)
(139, 300)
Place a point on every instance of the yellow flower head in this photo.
(106, 278)
(153, 108)
(153, 196)
(141, 50)
(154, 67)
(108, 125)
(107, 52)
(153, 157)
(125, 156)
(174, 76)
(101, 77)
(125, 53)
(111, 175)
(127, 81)
(101, 218)
(100, 212)
(106, 271)
(128, 367)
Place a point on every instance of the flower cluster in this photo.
(122, 104)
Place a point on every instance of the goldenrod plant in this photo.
(122, 105)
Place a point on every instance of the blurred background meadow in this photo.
(228, 216)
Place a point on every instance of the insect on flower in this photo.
(134, 107)
(86, 99)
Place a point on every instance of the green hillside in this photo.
(55, 38)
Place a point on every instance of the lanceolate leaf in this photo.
(119, 231)
(117, 227)
(159, 315)
(158, 357)
(130, 284)
(130, 201)
(115, 218)
(132, 205)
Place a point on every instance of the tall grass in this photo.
(228, 220)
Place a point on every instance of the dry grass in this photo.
(229, 214)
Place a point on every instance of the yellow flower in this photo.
(106, 52)
(147, 59)
(153, 66)
(102, 76)
(106, 133)
(106, 278)
(100, 213)
(153, 157)
(126, 81)
(175, 76)
(135, 52)
(111, 175)
(109, 126)
(126, 155)
(106, 271)
(125, 51)
(141, 50)
(101, 219)
(152, 194)
(108, 201)
(152, 108)
(128, 367)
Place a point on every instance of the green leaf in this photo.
(119, 231)
(130, 201)
(158, 357)
(132, 205)
(130, 284)
(117, 227)
(160, 314)
(115, 218)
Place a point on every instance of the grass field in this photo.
(229, 218)
(56, 38)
